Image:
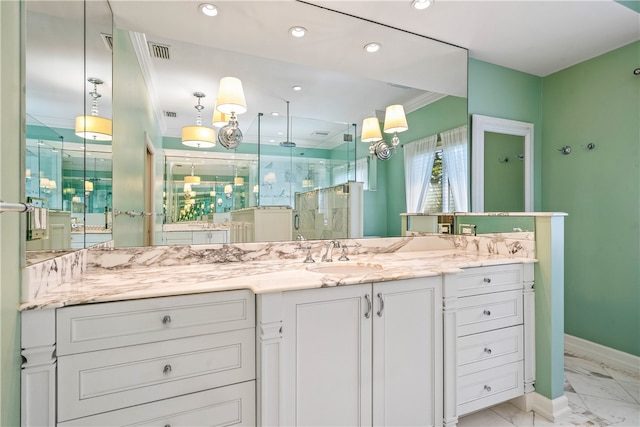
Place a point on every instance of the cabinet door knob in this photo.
(166, 370)
(487, 313)
(367, 297)
(487, 350)
(487, 388)
(487, 280)
(166, 320)
(381, 305)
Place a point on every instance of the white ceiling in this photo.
(249, 38)
(537, 37)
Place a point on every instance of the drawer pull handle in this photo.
(166, 320)
(487, 350)
(486, 387)
(368, 313)
(487, 280)
(166, 370)
(487, 313)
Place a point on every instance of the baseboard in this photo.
(553, 410)
(611, 357)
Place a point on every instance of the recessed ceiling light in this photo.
(297, 88)
(275, 113)
(421, 4)
(298, 31)
(272, 140)
(208, 9)
(372, 47)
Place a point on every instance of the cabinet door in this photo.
(326, 359)
(407, 353)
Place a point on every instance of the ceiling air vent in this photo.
(108, 40)
(170, 114)
(320, 133)
(160, 51)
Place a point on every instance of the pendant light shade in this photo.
(198, 136)
(371, 130)
(94, 128)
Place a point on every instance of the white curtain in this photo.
(418, 163)
(455, 161)
(362, 172)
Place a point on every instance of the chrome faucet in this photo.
(327, 256)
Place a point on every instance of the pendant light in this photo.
(198, 136)
(288, 143)
(192, 179)
(94, 127)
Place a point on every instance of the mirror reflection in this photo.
(160, 62)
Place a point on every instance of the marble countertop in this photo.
(263, 276)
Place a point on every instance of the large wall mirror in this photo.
(294, 141)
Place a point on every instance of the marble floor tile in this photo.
(633, 388)
(614, 412)
(588, 385)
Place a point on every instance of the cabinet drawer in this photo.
(485, 388)
(230, 405)
(100, 381)
(491, 349)
(116, 324)
(483, 280)
(486, 312)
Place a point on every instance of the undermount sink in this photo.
(337, 268)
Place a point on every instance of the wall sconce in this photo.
(198, 136)
(75, 199)
(219, 202)
(270, 179)
(230, 101)
(94, 127)
(88, 186)
(212, 194)
(228, 189)
(394, 121)
(219, 119)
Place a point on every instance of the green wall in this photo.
(134, 121)
(503, 173)
(11, 190)
(509, 94)
(597, 101)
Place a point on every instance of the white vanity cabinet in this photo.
(352, 355)
(181, 360)
(494, 335)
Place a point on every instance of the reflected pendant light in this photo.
(230, 101)
(198, 136)
(94, 127)
(191, 179)
(288, 143)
